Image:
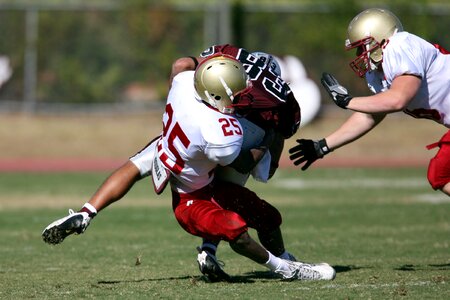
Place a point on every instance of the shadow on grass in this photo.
(248, 277)
(409, 267)
(343, 269)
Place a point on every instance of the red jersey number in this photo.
(230, 126)
(171, 135)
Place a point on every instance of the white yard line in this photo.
(351, 183)
(434, 197)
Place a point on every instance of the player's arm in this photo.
(355, 127)
(308, 151)
(276, 149)
(402, 90)
(248, 159)
(182, 64)
(396, 98)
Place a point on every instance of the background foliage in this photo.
(97, 51)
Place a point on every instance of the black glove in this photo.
(309, 151)
(336, 91)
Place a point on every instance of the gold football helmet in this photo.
(367, 32)
(218, 80)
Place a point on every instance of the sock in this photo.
(279, 266)
(274, 263)
(210, 248)
(287, 256)
(89, 209)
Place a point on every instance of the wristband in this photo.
(323, 147)
(345, 101)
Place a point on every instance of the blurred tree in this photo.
(93, 52)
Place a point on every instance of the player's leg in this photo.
(272, 240)
(205, 218)
(288, 270)
(257, 213)
(439, 167)
(446, 189)
(111, 190)
(208, 263)
(202, 218)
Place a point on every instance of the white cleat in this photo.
(305, 271)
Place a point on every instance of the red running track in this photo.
(106, 165)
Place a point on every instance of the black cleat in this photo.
(211, 267)
(74, 223)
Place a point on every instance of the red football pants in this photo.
(439, 167)
(223, 211)
(258, 213)
(201, 216)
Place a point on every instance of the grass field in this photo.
(384, 230)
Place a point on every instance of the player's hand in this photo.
(337, 92)
(308, 151)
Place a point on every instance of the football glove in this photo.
(308, 151)
(337, 92)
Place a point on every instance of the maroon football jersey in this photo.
(269, 102)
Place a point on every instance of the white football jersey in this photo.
(196, 138)
(406, 53)
(253, 136)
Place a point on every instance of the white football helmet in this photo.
(367, 32)
(218, 80)
(270, 60)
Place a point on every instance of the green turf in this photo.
(384, 230)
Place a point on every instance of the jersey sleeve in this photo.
(400, 57)
(223, 139)
(223, 155)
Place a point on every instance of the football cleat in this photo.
(305, 271)
(74, 223)
(211, 267)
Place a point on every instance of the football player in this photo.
(405, 72)
(268, 105)
(199, 133)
